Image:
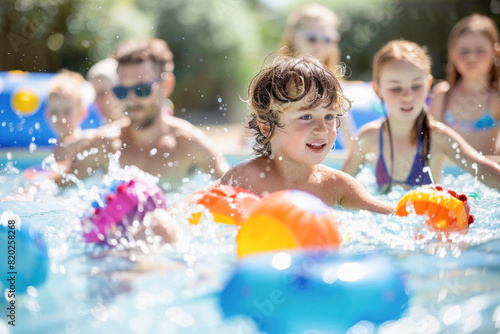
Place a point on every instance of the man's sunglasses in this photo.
(140, 90)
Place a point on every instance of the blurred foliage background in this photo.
(218, 45)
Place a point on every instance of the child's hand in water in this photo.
(161, 224)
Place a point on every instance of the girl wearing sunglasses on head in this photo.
(312, 30)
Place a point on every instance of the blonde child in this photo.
(295, 104)
(103, 76)
(407, 140)
(472, 104)
(65, 111)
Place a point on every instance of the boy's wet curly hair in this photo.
(284, 81)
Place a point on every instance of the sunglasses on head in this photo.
(140, 90)
(316, 38)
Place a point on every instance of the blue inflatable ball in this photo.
(295, 292)
(24, 259)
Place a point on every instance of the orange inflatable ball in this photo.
(288, 219)
(228, 205)
(445, 210)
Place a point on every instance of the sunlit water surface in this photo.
(152, 288)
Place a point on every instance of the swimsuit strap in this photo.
(381, 172)
(449, 94)
(380, 139)
(420, 139)
(416, 172)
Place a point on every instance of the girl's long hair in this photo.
(474, 23)
(417, 56)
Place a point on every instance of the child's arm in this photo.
(458, 150)
(437, 105)
(356, 197)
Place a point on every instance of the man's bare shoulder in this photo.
(179, 124)
(183, 129)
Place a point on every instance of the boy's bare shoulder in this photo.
(334, 176)
(247, 167)
(243, 174)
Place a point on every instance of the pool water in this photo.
(453, 284)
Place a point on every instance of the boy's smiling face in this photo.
(307, 136)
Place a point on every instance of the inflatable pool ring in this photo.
(446, 211)
(315, 291)
(25, 259)
(124, 203)
(288, 219)
(228, 205)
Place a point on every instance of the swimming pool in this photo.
(453, 286)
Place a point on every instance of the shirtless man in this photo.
(151, 139)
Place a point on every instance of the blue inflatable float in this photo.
(24, 259)
(23, 98)
(295, 292)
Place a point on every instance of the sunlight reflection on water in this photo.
(173, 289)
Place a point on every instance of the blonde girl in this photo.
(312, 30)
(407, 140)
